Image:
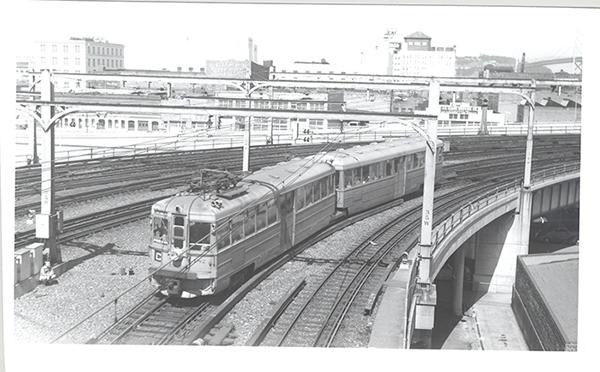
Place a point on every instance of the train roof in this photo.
(361, 155)
(250, 190)
(292, 174)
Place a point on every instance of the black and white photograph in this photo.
(233, 177)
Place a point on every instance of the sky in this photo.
(160, 35)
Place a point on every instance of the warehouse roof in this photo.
(556, 276)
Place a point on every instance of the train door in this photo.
(400, 169)
(179, 240)
(287, 220)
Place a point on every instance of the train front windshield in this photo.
(199, 235)
(160, 228)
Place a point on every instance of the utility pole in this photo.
(428, 185)
(426, 295)
(33, 132)
(46, 221)
(529, 148)
(247, 134)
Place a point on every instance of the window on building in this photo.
(66, 48)
(43, 60)
(453, 116)
(317, 106)
(143, 125)
(54, 60)
(94, 62)
(54, 48)
(77, 49)
(464, 116)
(260, 123)
(77, 61)
(66, 61)
(279, 105)
(280, 124)
(315, 124)
(43, 48)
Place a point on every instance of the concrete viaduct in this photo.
(491, 231)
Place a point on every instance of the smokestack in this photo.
(250, 49)
(523, 63)
(255, 53)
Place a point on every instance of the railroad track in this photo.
(122, 169)
(157, 320)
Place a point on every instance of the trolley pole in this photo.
(46, 221)
(428, 186)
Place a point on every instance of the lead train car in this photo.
(218, 241)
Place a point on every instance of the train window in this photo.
(397, 164)
(316, 191)
(300, 198)
(250, 223)
(261, 217)
(237, 230)
(308, 194)
(388, 168)
(325, 186)
(366, 176)
(178, 221)
(271, 212)
(356, 176)
(336, 181)
(199, 234)
(178, 231)
(415, 161)
(223, 236)
(160, 227)
(348, 178)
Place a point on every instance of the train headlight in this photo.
(158, 255)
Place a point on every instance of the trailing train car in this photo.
(219, 241)
(370, 175)
(203, 244)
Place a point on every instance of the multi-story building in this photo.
(78, 55)
(417, 57)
